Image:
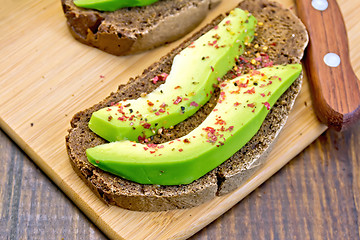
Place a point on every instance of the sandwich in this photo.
(128, 30)
(275, 39)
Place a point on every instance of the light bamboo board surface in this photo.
(46, 77)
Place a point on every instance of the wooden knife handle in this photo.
(335, 90)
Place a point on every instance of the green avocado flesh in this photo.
(242, 107)
(188, 86)
(112, 5)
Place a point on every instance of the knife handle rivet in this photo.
(320, 5)
(332, 59)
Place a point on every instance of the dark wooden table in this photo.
(315, 196)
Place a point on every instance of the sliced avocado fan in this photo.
(188, 86)
(240, 110)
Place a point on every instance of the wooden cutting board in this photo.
(46, 77)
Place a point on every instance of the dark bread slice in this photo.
(276, 35)
(131, 30)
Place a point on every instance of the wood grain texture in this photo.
(46, 77)
(335, 90)
(31, 206)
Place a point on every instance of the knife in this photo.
(334, 86)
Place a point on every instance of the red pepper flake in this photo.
(150, 103)
(161, 146)
(141, 138)
(161, 110)
(152, 152)
(178, 100)
(220, 121)
(123, 118)
(236, 104)
(273, 44)
(215, 110)
(262, 94)
(209, 129)
(134, 145)
(163, 105)
(161, 77)
(180, 150)
(109, 118)
(267, 105)
(145, 148)
(151, 145)
(185, 99)
(109, 109)
(222, 97)
(157, 113)
(212, 68)
(194, 104)
(213, 43)
(230, 128)
(186, 140)
(102, 76)
(146, 125)
(177, 87)
(216, 27)
(227, 22)
(269, 93)
(251, 91)
(252, 105)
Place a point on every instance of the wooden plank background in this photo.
(46, 77)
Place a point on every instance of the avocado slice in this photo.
(187, 87)
(242, 107)
(112, 5)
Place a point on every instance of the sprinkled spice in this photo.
(250, 91)
(161, 77)
(252, 105)
(267, 105)
(194, 104)
(178, 100)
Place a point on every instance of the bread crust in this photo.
(233, 172)
(132, 30)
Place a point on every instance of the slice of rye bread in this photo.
(280, 40)
(131, 30)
